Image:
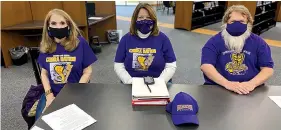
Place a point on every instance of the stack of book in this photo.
(155, 94)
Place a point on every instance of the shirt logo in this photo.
(142, 58)
(60, 72)
(184, 108)
(236, 66)
(60, 67)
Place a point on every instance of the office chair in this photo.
(96, 46)
(90, 9)
(91, 12)
(159, 5)
(167, 4)
(34, 54)
(2, 59)
(34, 91)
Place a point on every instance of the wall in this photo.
(150, 2)
(101, 5)
(15, 12)
(41, 8)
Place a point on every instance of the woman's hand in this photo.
(87, 72)
(50, 97)
(236, 87)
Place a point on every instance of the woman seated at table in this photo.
(65, 56)
(144, 51)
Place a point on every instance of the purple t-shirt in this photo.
(145, 57)
(66, 67)
(238, 67)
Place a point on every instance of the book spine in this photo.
(150, 100)
(151, 103)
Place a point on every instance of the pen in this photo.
(148, 88)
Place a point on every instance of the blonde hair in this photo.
(152, 14)
(48, 44)
(237, 8)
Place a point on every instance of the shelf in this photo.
(206, 1)
(33, 25)
(32, 35)
(92, 22)
(266, 29)
(200, 1)
(263, 21)
(212, 22)
(210, 7)
(264, 12)
(193, 19)
(205, 24)
(266, 4)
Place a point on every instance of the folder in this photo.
(141, 95)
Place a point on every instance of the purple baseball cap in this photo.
(183, 109)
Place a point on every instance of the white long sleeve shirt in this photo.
(125, 77)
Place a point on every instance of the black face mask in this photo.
(59, 32)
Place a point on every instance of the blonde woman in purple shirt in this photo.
(65, 56)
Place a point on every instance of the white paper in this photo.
(95, 18)
(36, 128)
(158, 89)
(70, 117)
(276, 99)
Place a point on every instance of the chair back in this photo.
(34, 54)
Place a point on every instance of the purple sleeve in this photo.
(42, 60)
(88, 55)
(168, 51)
(264, 55)
(209, 53)
(121, 51)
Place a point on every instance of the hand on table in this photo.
(248, 85)
(236, 87)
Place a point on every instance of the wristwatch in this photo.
(48, 92)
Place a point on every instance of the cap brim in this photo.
(169, 108)
(185, 119)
